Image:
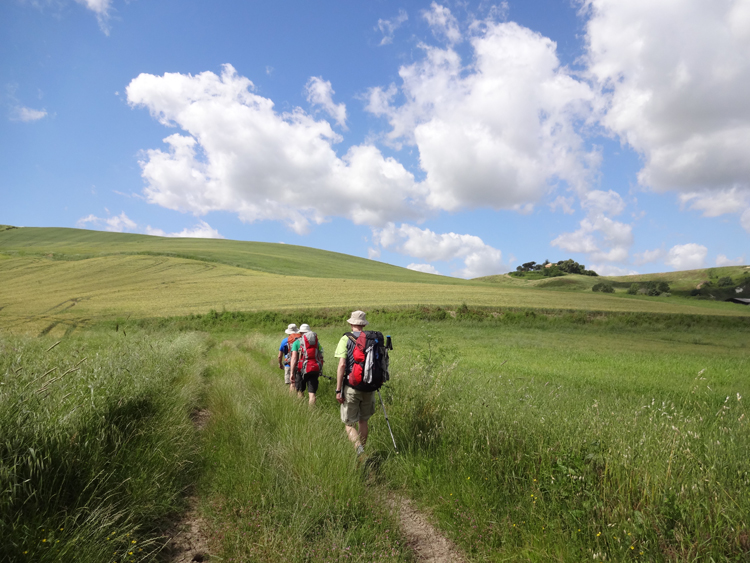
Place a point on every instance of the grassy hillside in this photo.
(681, 281)
(59, 279)
(272, 258)
(39, 293)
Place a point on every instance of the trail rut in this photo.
(428, 544)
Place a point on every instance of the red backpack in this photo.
(367, 360)
(289, 341)
(310, 355)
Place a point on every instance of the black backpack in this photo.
(366, 360)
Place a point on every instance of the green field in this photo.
(55, 280)
(533, 423)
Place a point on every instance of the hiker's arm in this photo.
(293, 363)
(340, 380)
(281, 359)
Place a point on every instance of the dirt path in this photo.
(428, 544)
(187, 539)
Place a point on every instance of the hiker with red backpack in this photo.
(362, 369)
(307, 362)
(285, 352)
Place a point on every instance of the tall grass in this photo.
(282, 480)
(534, 445)
(96, 443)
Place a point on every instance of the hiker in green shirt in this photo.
(356, 406)
(307, 363)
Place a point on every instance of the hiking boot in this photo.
(360, 450)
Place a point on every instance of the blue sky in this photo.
(460, 138)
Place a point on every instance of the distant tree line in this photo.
(548, 269)
(651, 288)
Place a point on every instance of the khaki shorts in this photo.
(357, 405)
(287, 375)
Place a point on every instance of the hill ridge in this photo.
(65, 243)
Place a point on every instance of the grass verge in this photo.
(97, 446)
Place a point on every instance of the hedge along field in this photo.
(96, 443)
(577, 442)
(44, 295)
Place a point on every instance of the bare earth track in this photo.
(187, 539)
(429, 545)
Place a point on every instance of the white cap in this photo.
(292, 329)
(305, 328)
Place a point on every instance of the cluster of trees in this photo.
(723, 287)
(603, 287)
(651, 288)
(551, 270)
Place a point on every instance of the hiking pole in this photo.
(382, 404)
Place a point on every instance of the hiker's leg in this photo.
(353, 435)
(312, 388)
(363, 429)
(366, 410)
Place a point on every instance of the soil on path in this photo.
(429, 545)
(188, 542)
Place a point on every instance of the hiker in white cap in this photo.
(356, 406)
(307, 363)
(285, 351)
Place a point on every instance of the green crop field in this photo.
(535, 420)
(58, 279)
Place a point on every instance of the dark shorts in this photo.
(310, 381)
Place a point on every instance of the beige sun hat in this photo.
(358, 318)
(304, 327)
(292, 329)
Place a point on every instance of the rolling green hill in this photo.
(59, 279)
(271, 258)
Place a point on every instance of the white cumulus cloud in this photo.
(238, 154)
(442, 22)
(722, 260)
(320, 92)
(610, 270)
(497, 132)
(117, 224)
(674, 78)
(200, 230)
(388, 27)
(21, 113)
(689, 256)
(479, 259)
(745, 220)
(649, 256)
(718, 202)
(102, 9)
(599, 236)
(425, 268)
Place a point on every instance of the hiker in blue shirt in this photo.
(285, 353)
